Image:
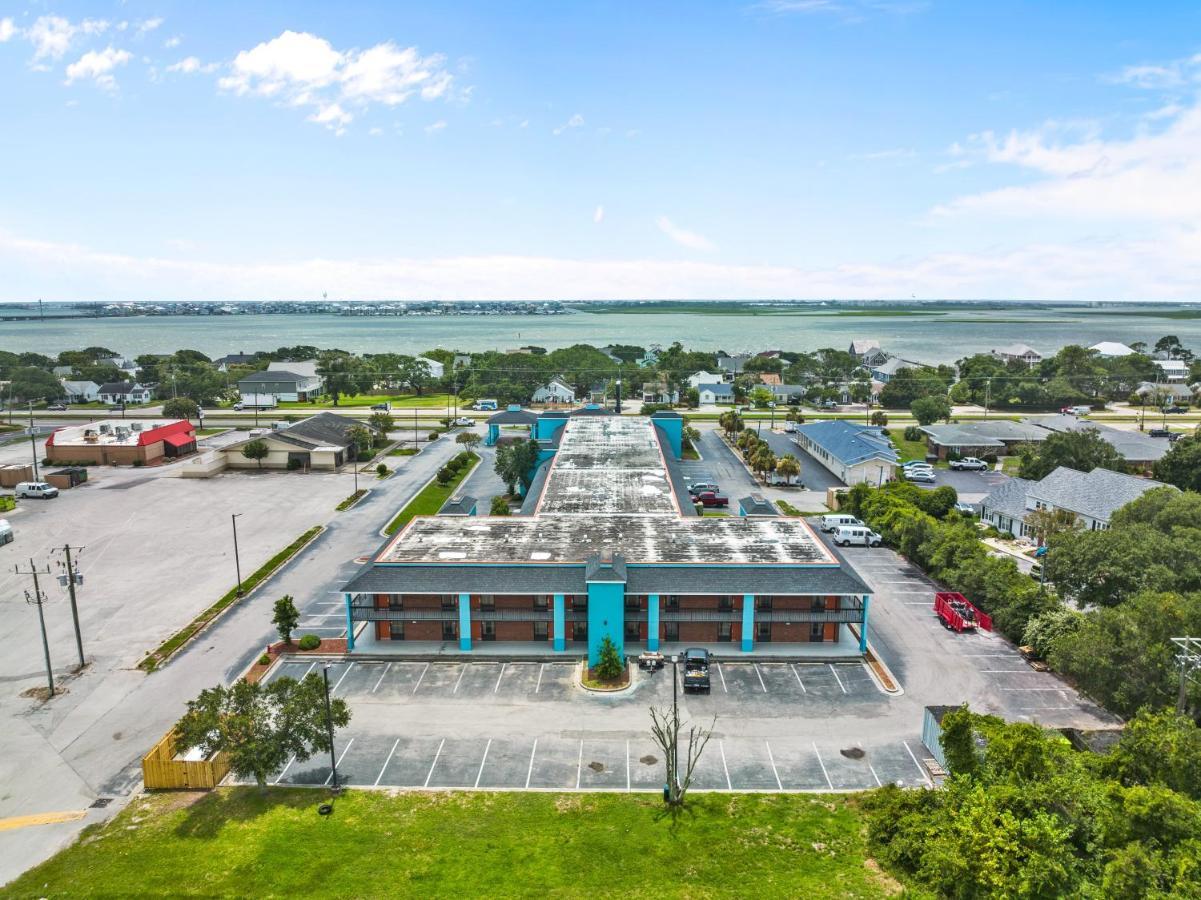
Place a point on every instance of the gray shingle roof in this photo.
(985, 434)
(1133, 445)
(1008, 498)
(1097, 494)
(718, 390)
(513, 417)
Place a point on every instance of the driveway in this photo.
(815, 476)
(972, 487)
(720, 464)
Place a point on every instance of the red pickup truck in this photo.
(710, 499)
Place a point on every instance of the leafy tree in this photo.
(445, 475)
(500, 507)
(909, 384)
(181, 408)
(1181, 465)
(928, 410)
(285, 617)
(787, 467)
(361, 441)
(958, 740)
(609, 664)
(382, 421)
(1046, 523)
(1161, 748)
(730, 422)
(467, 438)
(692, 397)
(256, 450)
(879, 417)
(1043, 630)
(1082, 450)
(760, 397)
(260, 726)
(764, 460)
(30, 383)
(515, 463)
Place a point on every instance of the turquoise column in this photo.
(464, 621)
(652, 622)
(863, 626)
(560, 627)
(349, 625)
(493, 436)
(606, 617)
(748, 623)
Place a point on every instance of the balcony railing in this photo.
(775, 615)
(364, 613)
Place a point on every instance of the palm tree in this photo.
(787, 467)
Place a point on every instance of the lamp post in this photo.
(617, 408)
(233, 519)
(329, 724)
(772, 407)
(33, 443)
(987, 395)
(675, 725)
(37, 598)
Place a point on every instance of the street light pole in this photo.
(37, 599)
(33, 442)
(617, 409)
(233, 519)
(329, 724)
(72, 578)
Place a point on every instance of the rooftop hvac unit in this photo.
(122, 433)
(105, 429)
(136, 426)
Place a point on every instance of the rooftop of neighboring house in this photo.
(120, 387)
(514, 415)
(894, 364)
(992, 433)
(770, 378)
(1135, 446)
(719, 389)
(1009, 498)
(864, 345)
(1112, 348)
(80, 387)
(236, 359)
(1097, 494)
(849, 442)
(305, 368)
(1017, 350)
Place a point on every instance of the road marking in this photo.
(836, 678)
(772, 760)
(874, 775)
(499, 677)
(51, 818)
(722, 672)
(760, 674)
(1000, 671)
(987, 655)
(798, 679)
(330, 776)
(459, 680)
(829, 783)
(538, 686)
(579, 765)
(420, 677)
(627, 765)
(925, 775)
(480, 773)
(381, 678)
(530, 772)
(284, 770)
(1010, 690)
(722, 747)
(340, 680)
(386, 761)
(430, 774)
(916, 602)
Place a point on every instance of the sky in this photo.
(545, 150)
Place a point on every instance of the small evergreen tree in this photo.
(285, 618)
(610, 665)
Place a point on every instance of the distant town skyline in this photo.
(780, 149)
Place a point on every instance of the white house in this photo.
(1111, 349)
(555, 391)
(868, 352)
(851, 452)
(437, 370)
(1023, 353)
(123, 392)
(289, 381)
(1173, 369)
(81, 391)
(884, 372)
(715, 393)
(705, 378)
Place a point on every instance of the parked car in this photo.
(1159, 432)
(1076, 410)
(6, 532)
(1175, 409)
(857, 535)
(486, 405)
(702, 486)
(969, 464)
(790, 427)
(925, 476)
(239, 406)
(829, 523)
(711, 500)
(57, 407)
(916, 464)
(37, 490)
(966, 508)
(464, 422)
(696, 670)
(381, 407)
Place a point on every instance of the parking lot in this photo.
(527, 725)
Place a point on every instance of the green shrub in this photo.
(500, 507)
(139, 462)
(913, 433)
(309, 642)
(445, 476)
(610, 665)
(265, 659)
(381, 470)
(293, 464)
(433, 436)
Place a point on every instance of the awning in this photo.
(180, 440)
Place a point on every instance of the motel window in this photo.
(671, 631)
(579, 631)
(450, 601)
(487, 603)
(725, 631)
(579, 601)
(817, 632)
(633, 603)
(541, 601)
(763, 631)
(395, 601)
(487, 631)
(541, 631)
(762, 602)
(632, 631)
(450, 630)
(725, 603)
(672, 601)
(396, 631)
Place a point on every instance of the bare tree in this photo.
(666, 728)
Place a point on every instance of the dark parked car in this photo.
(1175, 409)
(1159, 432)
(696, 670)
(710, 499)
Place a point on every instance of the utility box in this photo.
(12, 475)
(67, 478)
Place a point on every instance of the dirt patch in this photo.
(596, 767)
(568, 802)
(852, 752)
(648, 760)
(42, 693)
(887, 884)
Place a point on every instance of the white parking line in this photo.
(339, 762)
(772, 760)
(480, 773)
(722, 672)
(538, 686)
(459, 680)
(1023, 690)
(579, 765)
(722, 747)
(760, 674)
(530, 771)
(1001, 671)
(988, 655)
(381, 678)
(340, 680)
(829, 783)
(386, 761)
(627, 765)
(499, 677)
(430, 774)
(798, 679)
(920, 768)
(874, 775)
(420, 677)
(836, 678)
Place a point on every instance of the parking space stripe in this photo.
(920, 767)
(459, 680)
(836, 678)
(386, 761)
(430, 774)
(820, 762)
(798, 679)
(530, 772)
(874, 775)
(484, 759)
(499, 677)
(722, 672)
(760, 674)
(722, 747)
(538, 686)
(579, 765)
(330, 776)
(772, 760)
(343, 678)
(420, 677)
(381, 678)
(1003, 671)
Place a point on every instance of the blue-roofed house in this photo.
(851, 452)
(715, 393)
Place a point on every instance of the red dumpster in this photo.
(956, 613)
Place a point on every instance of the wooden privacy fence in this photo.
(162, 771)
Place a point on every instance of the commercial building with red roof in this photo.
(121, 442)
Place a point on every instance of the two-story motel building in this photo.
(611, 547)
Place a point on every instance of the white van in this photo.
(6, 532)
(38, 490)
(858, 536)
(838, 520)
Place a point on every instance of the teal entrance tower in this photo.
(605, 576)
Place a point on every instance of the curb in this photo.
(579, 682)
(383, 532)
(871, 660)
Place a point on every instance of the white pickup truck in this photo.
(968, 464)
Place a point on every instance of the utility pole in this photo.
(414, 429)
(987, 395)
(37, 599)
(33, 442)
(617, 408)
(73, 578)
(1188, 656)
(237, 562)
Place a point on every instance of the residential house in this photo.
(320, 442)
(991, 436)
(1174, 370)
(770, 378)
(81, 391)
(1111, 349)
(787, 393)
(287, 381)
(599, 392)
(127, 366)
(697, 379)
(846, 399)
(659, 392)
(1022, 353)
(885, 371)
(650, 357)
(555, 391)
(437, 369)
(62, 371)
(1165, 392)
(1138, 449)
(731, 365)
(126, 392)
(868, 352)
(461, 361)
(852, 453)
(235, 359)
(721, 392)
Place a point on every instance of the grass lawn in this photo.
(403, 400)
(403, 451)
(243, 842)
(908, 449)
(430, 498)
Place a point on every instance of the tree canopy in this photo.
(1082, 450)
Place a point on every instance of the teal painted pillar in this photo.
(493, 436)
(748, 623)
(606, 617)
(349, 624)
(464, 621)
(863, 626)
(652, 622)
(560, 626)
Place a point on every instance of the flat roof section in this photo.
(606, 492)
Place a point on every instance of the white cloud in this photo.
(7, 29)
(435, 127)
(98, 66)
(172, 42)
(190, 65)
(375, 132)
(683, 237)
(599, 215)
(1159, 76)
(52, 36)
(147, 25)
(301, 69)
(847, 10)
(575, 121)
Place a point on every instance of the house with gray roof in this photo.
(1022, 353)
(715, 393)
(995, 436)
(885, 371)
(320, 442)
(851, 452)
(288, 381)
(867, 351)
(1137, 448)
(81, 391)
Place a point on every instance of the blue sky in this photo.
(785, 148)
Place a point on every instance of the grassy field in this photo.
(242, 842)
(430, 498)
(907, 450)
(408, 401)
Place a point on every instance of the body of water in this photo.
(942, 337)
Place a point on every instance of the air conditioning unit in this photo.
(105, 429)
(136, 426)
